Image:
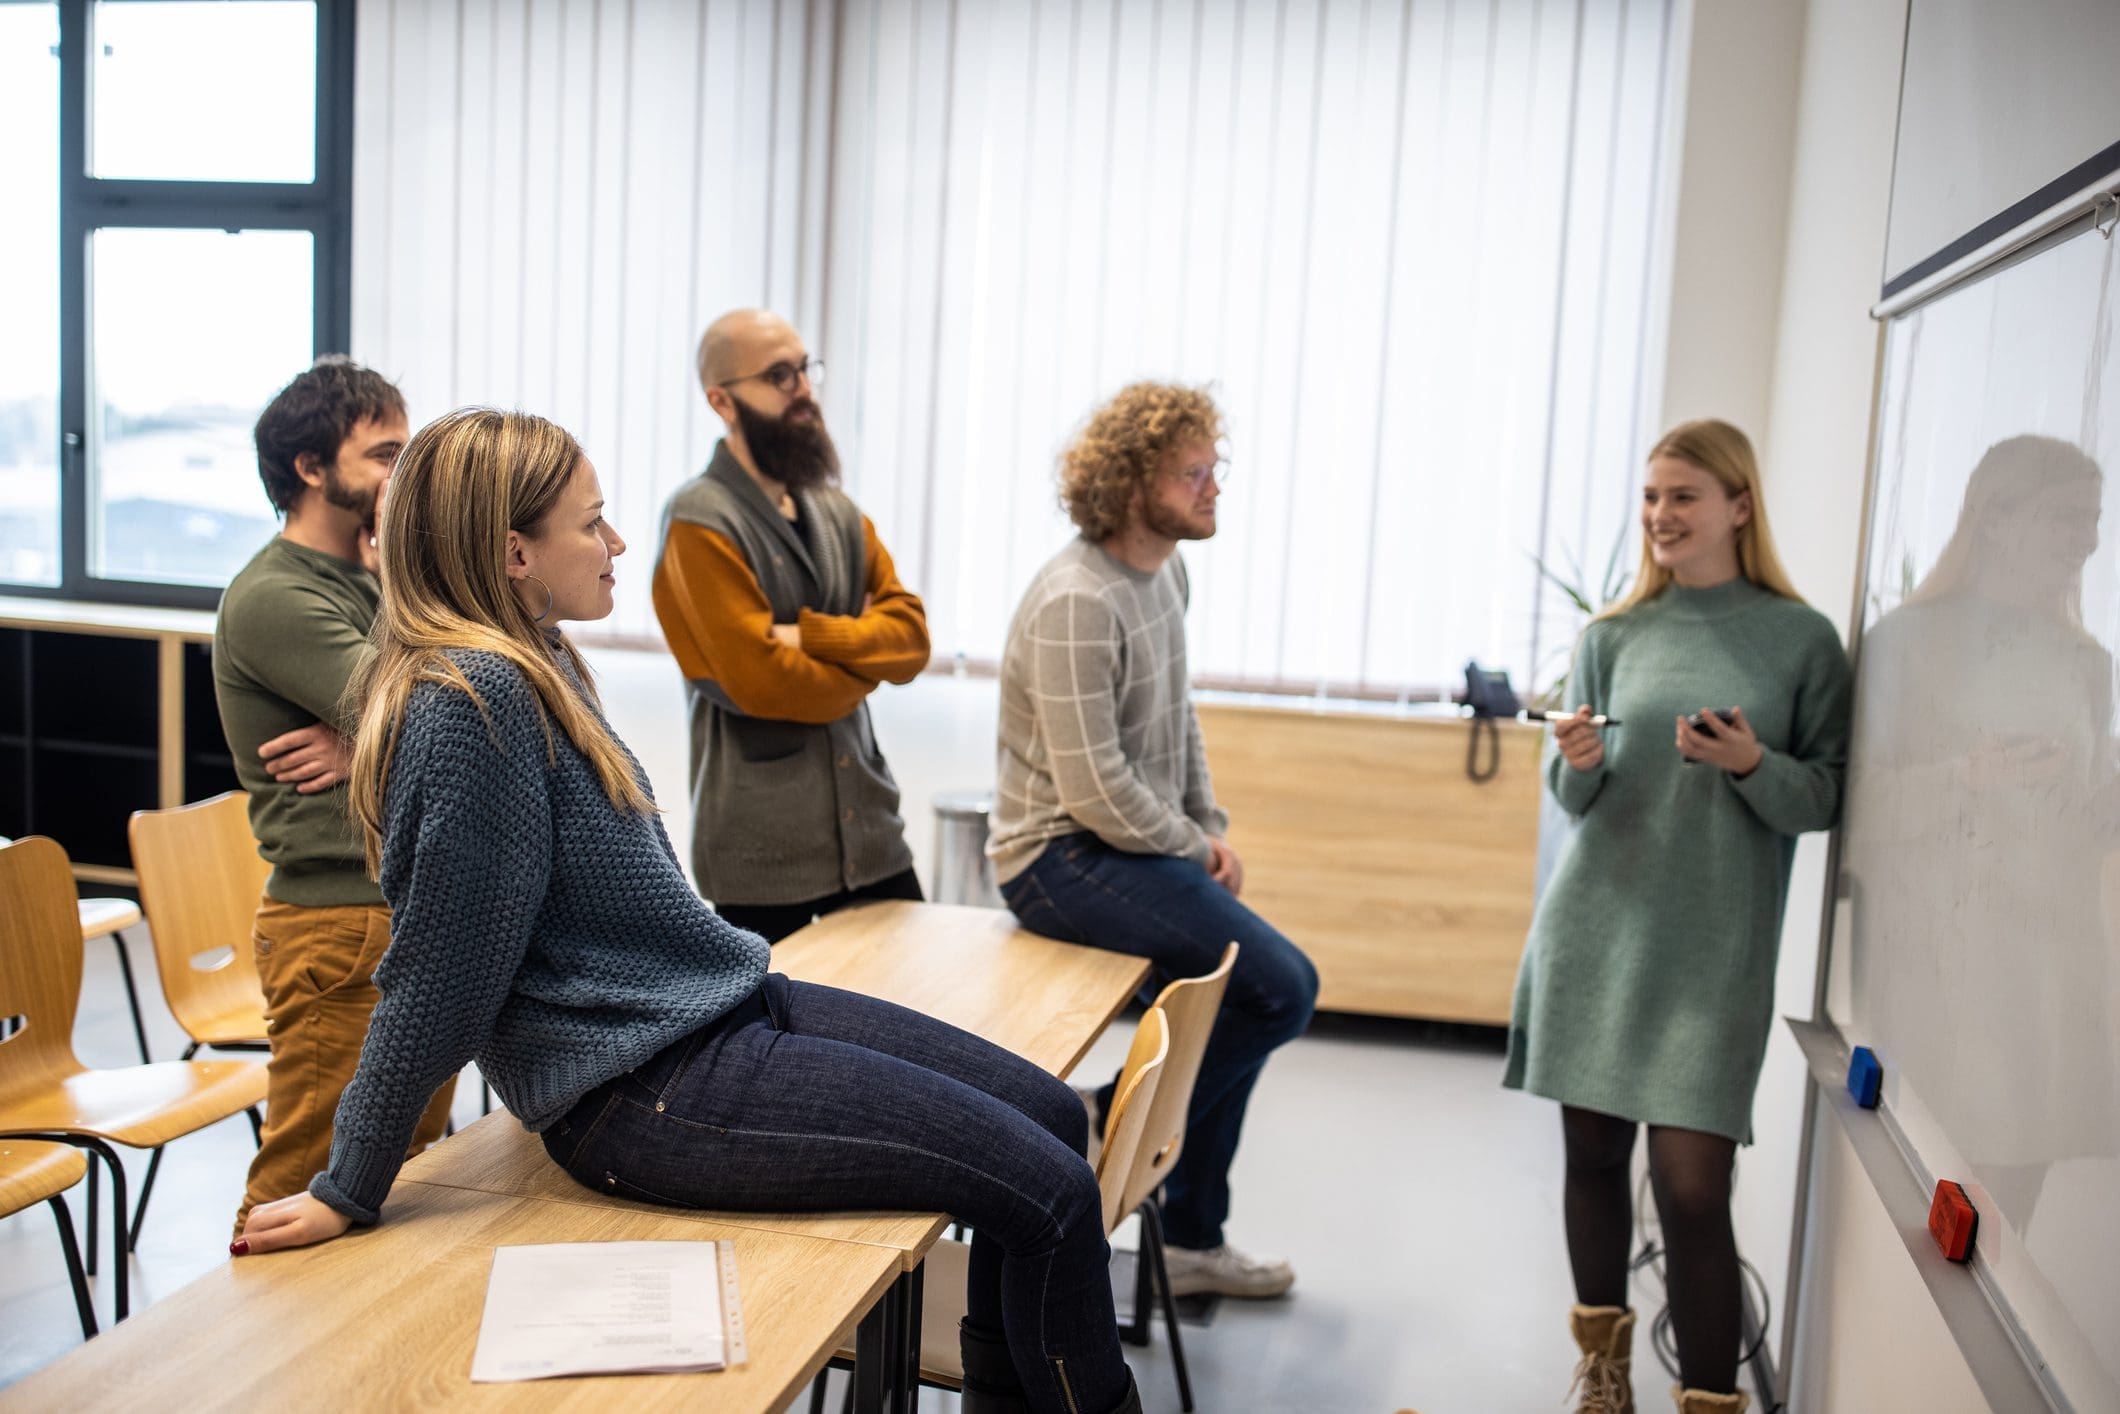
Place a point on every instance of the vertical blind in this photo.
(1410, 243)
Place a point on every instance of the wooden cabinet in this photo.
(104, 709)
(1409, 884)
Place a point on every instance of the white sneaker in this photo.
(1096, 1140)
(1225, 1271)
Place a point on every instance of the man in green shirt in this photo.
(292, 627)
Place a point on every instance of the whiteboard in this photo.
(1977, 938)
(2003, 109)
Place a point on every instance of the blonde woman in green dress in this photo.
(1647, 987)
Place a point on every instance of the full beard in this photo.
(348, 498)
(797, 454)
(1172, 525)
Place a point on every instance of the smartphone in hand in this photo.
(1699, 722)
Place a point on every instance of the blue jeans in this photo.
(1081, 890)
(810, 1099)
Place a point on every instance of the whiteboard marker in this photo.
(1535, 718)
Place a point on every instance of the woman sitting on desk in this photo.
(1647, 986)
(541, 926)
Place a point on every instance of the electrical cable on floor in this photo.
(1650, 1259)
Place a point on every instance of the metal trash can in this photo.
(963, 873)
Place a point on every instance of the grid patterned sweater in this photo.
(1647, 985)
(1098, 731)
(534, 929)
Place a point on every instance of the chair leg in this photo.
(74, 1275)
(1140, 1328)
(1152, 1240)
(121, 1304)
(190, 1051)
(93, 1209)
(257, 1126)
(132, 993)
(147, 1188)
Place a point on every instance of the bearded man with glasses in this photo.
(784, 613)
(1105, 826)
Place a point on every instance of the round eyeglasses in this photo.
(786, 377)
(1197, 476)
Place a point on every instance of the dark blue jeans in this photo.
(1169, 911)
(810, 1099)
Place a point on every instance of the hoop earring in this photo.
(540, 616)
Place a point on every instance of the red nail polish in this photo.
(239, 1248)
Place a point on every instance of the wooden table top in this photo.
(971, 967)
(974, 968)
(498, 1156)
(387, 1319)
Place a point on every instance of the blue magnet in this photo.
(1865, 1077)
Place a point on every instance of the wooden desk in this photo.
(971, 967)
(974, 968)
(498, 1156)
(387, 1319)
(1408, 884)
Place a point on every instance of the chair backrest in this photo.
(200, 880)
(1127, 1119)
(1190, 1004)
(40, 964)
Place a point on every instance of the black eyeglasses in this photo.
(786, 377)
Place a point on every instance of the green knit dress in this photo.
(1647, 985)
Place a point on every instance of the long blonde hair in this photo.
(462, 483)
(1726, 454)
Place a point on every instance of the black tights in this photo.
(1690, 1174)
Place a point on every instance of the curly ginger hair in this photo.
(1123, 444)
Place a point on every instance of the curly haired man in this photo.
(1105, 829)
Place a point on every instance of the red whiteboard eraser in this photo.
(1952, 1219)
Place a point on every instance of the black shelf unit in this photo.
(87, 734)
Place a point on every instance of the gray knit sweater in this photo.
(1647, 985)
(534, 929)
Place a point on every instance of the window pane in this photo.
(205, 91)
(194, 333)
(29, 294)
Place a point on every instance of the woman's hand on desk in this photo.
(288, 1222)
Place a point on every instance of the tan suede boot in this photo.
(1605, 1335)
(1699, 1401)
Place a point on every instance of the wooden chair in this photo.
(109, 918)
(45, 1091)
(200, 878)
(35, 1172)
(1190, 1004)
(944, 1273)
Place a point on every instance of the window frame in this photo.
(323, 207)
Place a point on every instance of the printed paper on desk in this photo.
(600, 1308)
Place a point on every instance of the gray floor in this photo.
(1419, 1202)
